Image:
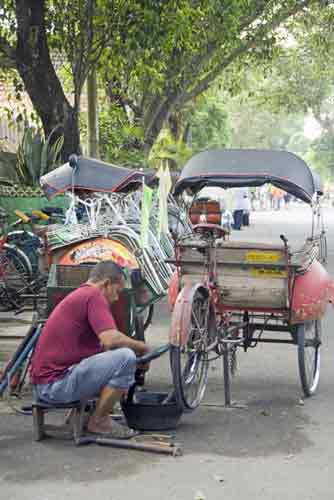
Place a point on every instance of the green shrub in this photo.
(36, 156)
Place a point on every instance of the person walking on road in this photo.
(241, 205)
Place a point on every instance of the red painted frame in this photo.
(308, 296)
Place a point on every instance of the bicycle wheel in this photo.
(189, 363)
(16, 269)
(309, 342)
(29, 243)
(10, 298)
(139, 333)
(148, 315)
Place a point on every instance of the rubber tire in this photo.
(139, 328)
(182, 404)
(177, 369)
(10, 299)
(20, 260)
(148, 318)
(309, 386)
(28, 243)
(9, 293)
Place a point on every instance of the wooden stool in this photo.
(39, 408)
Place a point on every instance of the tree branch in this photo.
(199, 62)
(152, 111)
(159, 112)
(244, 46)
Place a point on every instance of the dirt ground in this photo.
(277, 445)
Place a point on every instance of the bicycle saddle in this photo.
(53, 210)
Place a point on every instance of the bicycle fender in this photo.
(181, 317)
(311, 293)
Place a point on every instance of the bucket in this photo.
(145, 412)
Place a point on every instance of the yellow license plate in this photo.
(269, 273)
(265, 257)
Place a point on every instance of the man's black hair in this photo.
(106, 270)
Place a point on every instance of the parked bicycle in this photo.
(22, 272)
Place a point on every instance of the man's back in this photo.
(241, 198)
(71, 333)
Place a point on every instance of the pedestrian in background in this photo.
(278, 195)
(246, 211)
(241, 205)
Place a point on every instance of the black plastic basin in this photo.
(147, 413)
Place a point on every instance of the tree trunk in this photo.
(157, 114)
(71, 132)
(92, 118)
(39, 76)
(174, 126)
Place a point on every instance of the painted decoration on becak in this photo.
(98, 250)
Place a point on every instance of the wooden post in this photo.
(92, 123)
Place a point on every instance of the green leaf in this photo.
(35, 156)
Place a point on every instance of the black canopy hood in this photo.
(230, 168)
(91, 175)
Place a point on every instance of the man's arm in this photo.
(113, 339)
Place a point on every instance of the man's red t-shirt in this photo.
(71, 333)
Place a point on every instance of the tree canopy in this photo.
(184, 48)
(153, 56)
(298, 84)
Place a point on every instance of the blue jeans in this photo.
(237, 215)
(85, 380)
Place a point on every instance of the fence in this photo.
(10, 134)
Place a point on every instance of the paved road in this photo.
(277, 447)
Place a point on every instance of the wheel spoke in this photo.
(309, 355)
(190, 362)
(194, 317)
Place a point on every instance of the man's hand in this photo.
(113, 339)
(144, 367)
(146, 350)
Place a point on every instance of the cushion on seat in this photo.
(45, 404)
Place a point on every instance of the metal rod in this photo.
(271, 328)
(266, 326)
(33, 296)
(20, 358)
(274, 341)
(172, 449)
(25, 340)
(227, 385)
(241, 265)
(11, 337)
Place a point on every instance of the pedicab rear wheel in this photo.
(189, 362)
(148, 316)
(309, 342)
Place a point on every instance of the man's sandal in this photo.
(118, 431)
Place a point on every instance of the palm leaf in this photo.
(50, 154)
(36, 156)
